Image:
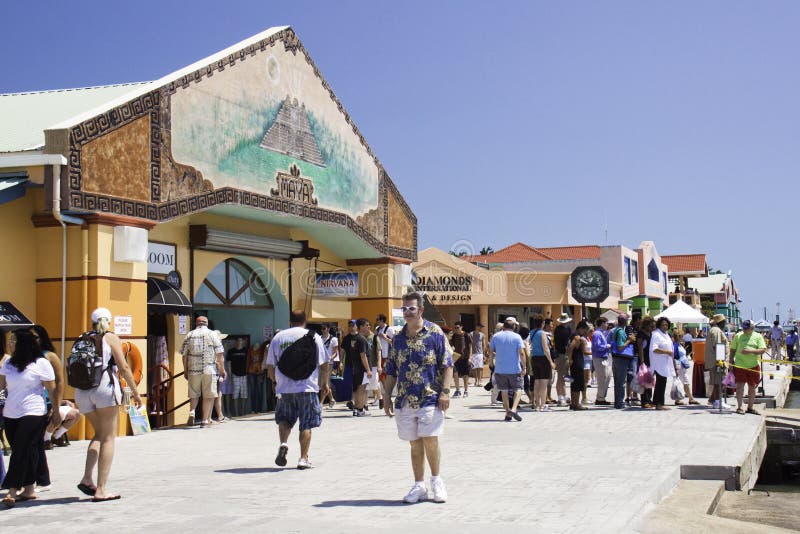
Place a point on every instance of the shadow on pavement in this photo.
(45, 502)
(361, 503)
(252, 470)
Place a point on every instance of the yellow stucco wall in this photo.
(18, 271)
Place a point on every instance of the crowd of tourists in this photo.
(409, 372)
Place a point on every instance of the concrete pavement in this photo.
(593, 471)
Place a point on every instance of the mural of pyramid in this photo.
(290, 134)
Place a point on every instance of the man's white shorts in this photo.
(413, 424)
(372, 383)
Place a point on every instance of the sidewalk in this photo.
(561, 471)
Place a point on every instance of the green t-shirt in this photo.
(747, 341)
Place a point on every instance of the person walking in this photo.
(716, 338)
(375, 361)
(356, 348)
(462, 349)
(478, 357)
(746, 347)
(601, 353)
(420, 363)
(775, 340)
(683, 368)
(562, 336)
(510, 364)
(662, 360)
(255, 378)
(331, 344)
(25, 376)
(203, 363)
(791, 343)
(236, 361)
(576, 350)
(100, 406)
(298, 399)
(622, 350)
(646, 328)
(542, 364)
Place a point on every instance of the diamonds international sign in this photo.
(11, 316)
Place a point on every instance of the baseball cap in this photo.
(747, 323)
(100, 313)
(351, 322)
(512, 319)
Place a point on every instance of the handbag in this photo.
(647, 379)
(730, 380)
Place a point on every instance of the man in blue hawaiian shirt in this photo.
(420, 362)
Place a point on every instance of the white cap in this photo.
(99, 313)
(512, 319)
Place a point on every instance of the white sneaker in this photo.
(302, 463)
(416, 494)
(439, 491)
(725, 406)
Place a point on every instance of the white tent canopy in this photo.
(680, 312)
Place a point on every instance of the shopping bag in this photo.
(647, 379)
(635, 387)
(730, 380)
(140, 424)
(677, 393)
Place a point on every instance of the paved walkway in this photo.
(562, 471)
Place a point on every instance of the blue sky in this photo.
(511, 121)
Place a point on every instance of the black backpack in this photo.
(299, 359)
(85, 362)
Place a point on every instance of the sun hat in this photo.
(718, 318)
(564, 319)
(220, 334)
(101, 313)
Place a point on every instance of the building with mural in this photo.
(238, 187)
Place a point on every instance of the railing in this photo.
(159, 395)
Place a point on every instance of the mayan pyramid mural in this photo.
(290, 134)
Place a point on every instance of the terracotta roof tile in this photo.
(685, 263)
(521, 252)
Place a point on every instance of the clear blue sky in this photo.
(515, 121)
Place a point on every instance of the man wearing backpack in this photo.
(202, 359)
(299, 365)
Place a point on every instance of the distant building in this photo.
(691, 281)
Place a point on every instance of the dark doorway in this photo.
(467, 321)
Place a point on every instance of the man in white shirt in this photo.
(775, 340)
(298, 399)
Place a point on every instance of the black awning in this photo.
(163, 297)
(11, 317)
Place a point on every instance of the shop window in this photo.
(232, 283)
(652, 271)
(628, 279)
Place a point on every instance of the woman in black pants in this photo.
(25, 376)
(643, 344)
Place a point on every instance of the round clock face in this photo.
(589, 284)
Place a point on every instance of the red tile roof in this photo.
(522, 252)
(584, 252)
(685, 263)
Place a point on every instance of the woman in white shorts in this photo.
(101, 408)
(684, 374)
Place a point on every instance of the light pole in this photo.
(778, 316)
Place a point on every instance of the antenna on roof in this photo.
(605, 225)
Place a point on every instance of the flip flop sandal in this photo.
(23, 498)
(104, 499)
(9, 502)
(740, 411)
(87, 490)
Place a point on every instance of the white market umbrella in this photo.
(680, 312)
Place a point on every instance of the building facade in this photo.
(238, 187)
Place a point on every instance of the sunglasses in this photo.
(410, 309)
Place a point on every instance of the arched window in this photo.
(233, 283)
